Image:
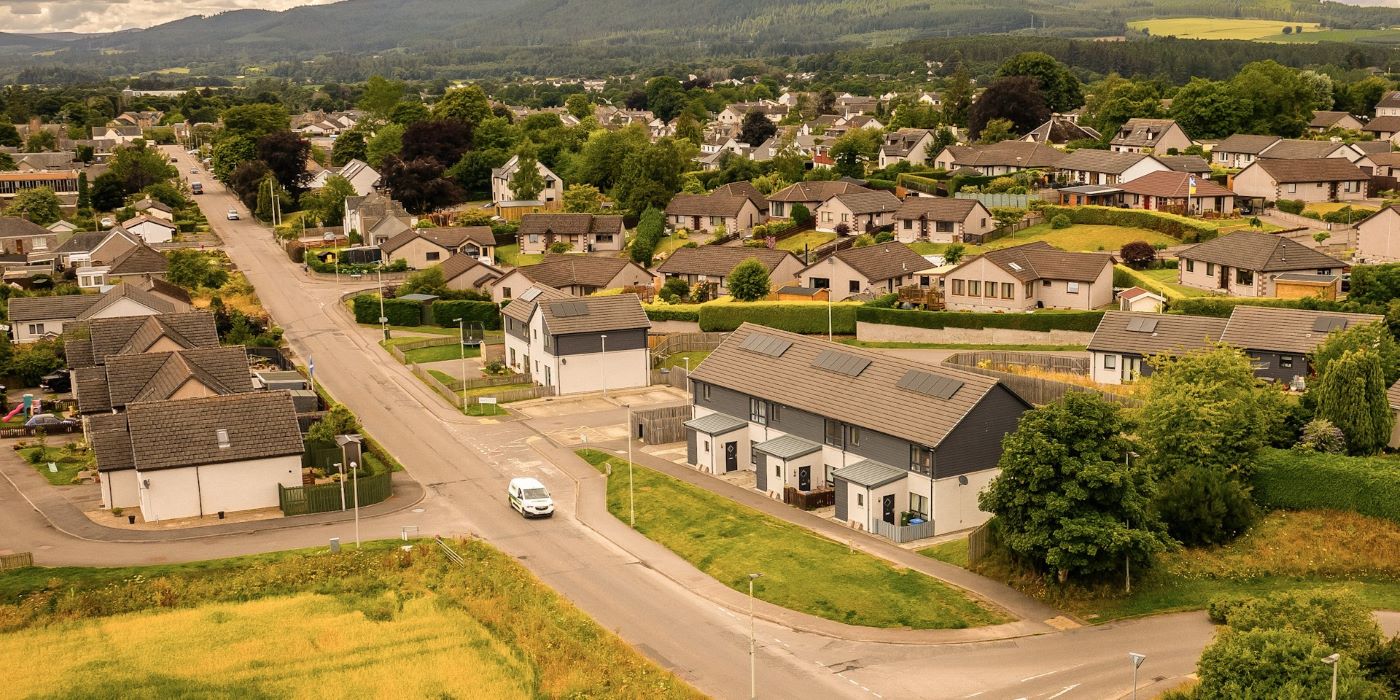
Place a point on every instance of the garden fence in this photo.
(809, 500)
(903, 533)
(18, 560)
(659, 426)
(1038, 392)
(674, 377)
(999, 199)
(980, 543)
(323, 498)
(990, 359)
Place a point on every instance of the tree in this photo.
(419, 184)
(7, 163)
(32, 361)
(41, 140)
(193, 269)
(675, 289)
(527, 183)
(337, 421)
(1016, 99)
(139, 167)
(652, 175)
(756, 128)
(688, 128)
(327, 203)
(1375, 284)
(385, 144)
(1066, 500)
(108, 194)
(231, 152)
(285, 154)
(1276, 663)
(429, 281)
(1351, 394)
(579, 106)
(914, 114)
(826, 101)
(581, 198)
(348, 146)
(9, 135)
(1115, 99)
(408, 113)
(40, 205)
(254, 121)
(853, 149)
(1372, 336)
(444, 140)
(957, 97)
(1209, 109)
(996, 131)
(1280, 101)
(247, 180)
(749, 281)
(953, 253)
(84, 194)
(650, 227)
(468, 105)
(381, 95)
(600, 160)
(665, 97)
(1057, 84)
(801, 216)
(1137, 254)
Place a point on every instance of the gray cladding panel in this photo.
(588, 343)
(841, 500)
(761, 472)
(691, 452)
(517, 328)
(723, 400)
(1272, 365)
(975, 444)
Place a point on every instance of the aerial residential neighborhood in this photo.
(766, 350)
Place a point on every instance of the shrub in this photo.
(1179, 227)
(485, 313)
(1086, 321)
(1338, 618)
(1138, 254)
(1305, 480)
(842, 229)
(398, 311)
(674, 289)
(796, 317)
(954, 252)
(1290, 206)
(1060, 221)
(749, 281)
(1202, 505)
(801, 216)
(884, 301)
(1221, 307)
(1275, 663)
(884, 237)
(560, 247)
(296, 251)
(1319, 435)
(672, 312)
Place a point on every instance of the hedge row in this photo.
(485, 313)
(1058, 321)
(411, 313)
(796, 317)
(1221, 307)
(1178, 227)
(1124, 276)
(1298, 480)
(398, 311)
(672, 312)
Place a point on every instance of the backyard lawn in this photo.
(1168, 278)
(510, 255)
(1084, 237)
(678, 359)
(810, 239)
(438, 353)
(69, 462)
(801, 570)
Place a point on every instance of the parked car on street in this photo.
(196, 188)
(52, 423)
(233, 215)
(530, 497)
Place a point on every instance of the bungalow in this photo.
(577, 344)
(709, 213)
(424, 247)
(94, 341)
(151, 229)
(1002, 158)
(906, 146)
(710, 265)
(1060, 130)
(500, 183)
(744, 188)
(1324, 121)
(117, 133)
(858, 211)
(870, 270)
(161, 376)
(941, 219)
(19, 237)
(62, 227)
(579, 275)
(1301, 149)
(1247, 263)
(90, 254)
(34, 318)
(1389, 104)
(1384, 128)
(889, 436)
(1030, 276)
(1385, 164)
(1281, 341)
(1124, 340)
(153, 208)
(1239, 150)
(1178, 193)
(1089, 166)
(583, 233)
(466, 273)
(1150, 136)
(140, 260)
(1378, 237)
(1309, 180)
(194, 457)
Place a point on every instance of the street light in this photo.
(631, 494)
(462, 349)
(604, 370)
(1137, 661)
(340, 467)
(753, 671)
(828, 296)
(355, 475)
(383, 320)
(1332, 661)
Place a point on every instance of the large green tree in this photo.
(468, 105)
(139, 167)
(527, 183)
(1281, 102)
(652, 175)
(756, 128)
(853, 149)
(583, 199)
(1115, 99)
(348, 146)
(957, 97)
(1351, 393)
(254, 120)
(381, 95)
(327, 203)
(1058, 85)
(749, 281)
(1016, 99)
(1373, 336)
(386, 142)
(231, 152)
(1210, 109)
(1068, 499)
(108, 193)
(40, 205)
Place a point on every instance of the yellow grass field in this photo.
(303, 646)
(1218, 28)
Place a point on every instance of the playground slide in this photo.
(18, 407)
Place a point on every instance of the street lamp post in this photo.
(340, 467)
(1332, 661)
(1137, 662)
(462, 348)
(828, 297)
(355, 475)
(383, 320)
(753, 668)
(631, 493)
(687, 379)
(604, 370)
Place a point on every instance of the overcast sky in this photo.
(29, 16)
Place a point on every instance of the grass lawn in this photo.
(511, 255)
(1088, 237)
(1167, 277)
(811, 239)
(678, 359)
(926, 248)
(801, 571)
(1286, 550)
(960, 346)
(69, 463)
(372, 623)
(493, 390)
(438, 353)
(485, 409)
(1321, 208)
(953, 552)
(425, 330)
(1220, 28)
(669, 244)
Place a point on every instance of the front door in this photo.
(804, 478)
(731, 456)
(1224, 277)
(1132, 367)
(888, 515)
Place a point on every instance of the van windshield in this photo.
(532, 494)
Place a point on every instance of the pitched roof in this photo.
(1249, 144)
(1389, 99)
(1018, 153)
(1390, 124)
(814, 191)
(706, 205)
(1284, 330)
(156, 376)
(523, 306)
(91, 342)
(1094, 160)
(82, 242)
(15, 227)
(875, 397)
(1393, 395)
(1295, 149)
(1142, 334)
(1142, 132)
(148, 203)
(570, 224)
(594, 314)
(881, 261)
(459, 264)
(1310, 170)
(936, 208)
(143, 219)
(1058, 130)
(1323, 118)
(561, 271)
(743, 188)
(1185, 164)
(63, 306)
(1172, 184)
(134, 292)
(140, 260)
(1369, 147)
(186, 433)
(1261, 252)
(1040, 260)
(719, 261)
(111, 442)
(449, 237)
(873, 202)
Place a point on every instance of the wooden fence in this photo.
(274, 356)
(433, 383)
(18, 560)
(990, 359)
(306, 420)
(980, 543)
(1039, 392)
(1003, 231)
(659, 426)
(904, 533)
(509, 395)
(323, 498)
(674, 377)
(809, 500)
(820, 253)
(672, 343)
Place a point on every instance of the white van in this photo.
(530, 497)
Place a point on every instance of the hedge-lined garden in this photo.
(1179, 227)
(1295, 480)
(401, 312)
(796, 317)
(1085, 321)
(1222, 307)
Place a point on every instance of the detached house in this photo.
(1031, 276)
(584, 233)
(1150, 136)
(423, 248)
(1324, 121)
(140, 261)
(1378, 237)
(1060, 130)
(888, 435)
(1239, 150)
(1281, 341)
(34, 318)
(1309, 180)
(151, 229)
(359, 173)
(20, 237)
(710, 265)
(1384, 128)
(1004, 158)
(1089, 166)
(500, 183)
(578, 344)
(906, 146)
(161, 376)
(466, 273)
(376, 218)
(93, 341)
(708, 213)
(808, 194)
(859, 211)
(579, 275)
(1124, 341)
(869, 271)
(153, 208)
(941, 220)
(1178, 193)
(1251, 263)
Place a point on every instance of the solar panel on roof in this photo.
(567, 309)
(762, 344)
(1327, 324)
(531, 293)
(929, 384)
(841, 363)
(1142, 325)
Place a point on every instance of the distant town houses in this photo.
(711, 265)
(360, 175)
(1150, 136)
(1306, 179)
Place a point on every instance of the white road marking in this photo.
(1062, 692)
(974, 694)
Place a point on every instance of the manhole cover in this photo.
(418, 510)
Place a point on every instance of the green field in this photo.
(801, 571)
(439, 353)
(811, 239)
(1219, 28)
(510, 255)
(1084, 237)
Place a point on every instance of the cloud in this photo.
(112, 15)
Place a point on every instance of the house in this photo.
(583, 233)
(906, 146)
(1378, 237)
(90, 254)
(1060, 130)
(710, 265)
(1177, 193)
(709, 213)
(20, 237)
(1194, 165)
(195, 457)
(744, 188)
(63, 227)
(64, 183)
(1094, 167)
(1002, 158)
(93, 341)
(859, 211)
(1281, 341)
(577, 344)
(1239, 150)
(375, 218)
(1125, 340)
(1309, 180)
(808, 194)
(500, 183)
(579, 275)
(140, 260)
(1246, 263)
(423, 248)
(1324, 121)
(1389, 104)
(33, 318)
(1383, 164)
(1384, 128)
(1392, 396)
(151, 229)
(1139, 299)
(466, 273)
(941, 219)
(117, 133)
(888, 435)
(1150, 136)
(153, 208)
(869, 270)
(1030, 276)
(359, 173)
(1302, 149)
(161, 376)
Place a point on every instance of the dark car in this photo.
(52, 423)
(60, 382)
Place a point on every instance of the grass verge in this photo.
(679, 359)
(801, 571)
(438, 353)
(511, 255)
(1090, 237)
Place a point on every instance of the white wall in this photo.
(168, 493)
(617, 369)
(152, 233)
(119, 489)
(125, 307)
(955, 505)
(247, 485)
(20, 330)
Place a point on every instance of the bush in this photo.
(1202, 505)
(842, 229)
(1086, 321)
(1338, 618)
(1137, 254)
(1181, 228)
(485, 313)
(674, 289)
(1221, 307)
(672, 312)
(884, 301)
(1290, 206)
(884, 237)
(1305, 480)
(398, 311)
(1319, 435)
(1275, 663)
(296, 251)
(1060, 221)
(801, 216)
(796, 317)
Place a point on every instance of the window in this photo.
(534, 238)
(989, 290)
(920, 460)
(974, 288)
(775, 412)
(705, 391)
(984, 223)
(715, 221)
(830, 479)
(535, 333)
(1292, 187)
(845, 217)
(1110, 361)
(820, 283)
(958, 287)
(833, 433)
(1045, 283)
(860, 499)
(1324, 272)
(1008, 290)
(36, 329)
(758, 411)
(918, 505)
(505, 292)
(434, 255)
(1243, 276)
(1190, 265)
(1285, 361)
(603, 238)
(1030, 289)
(513, 362)
(1072, 287)
(943, 226)
(852, 436)
(707, 445)
(42, 243)
(853, 286)
(548, 342)
(908, 224)
(1210, 269)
